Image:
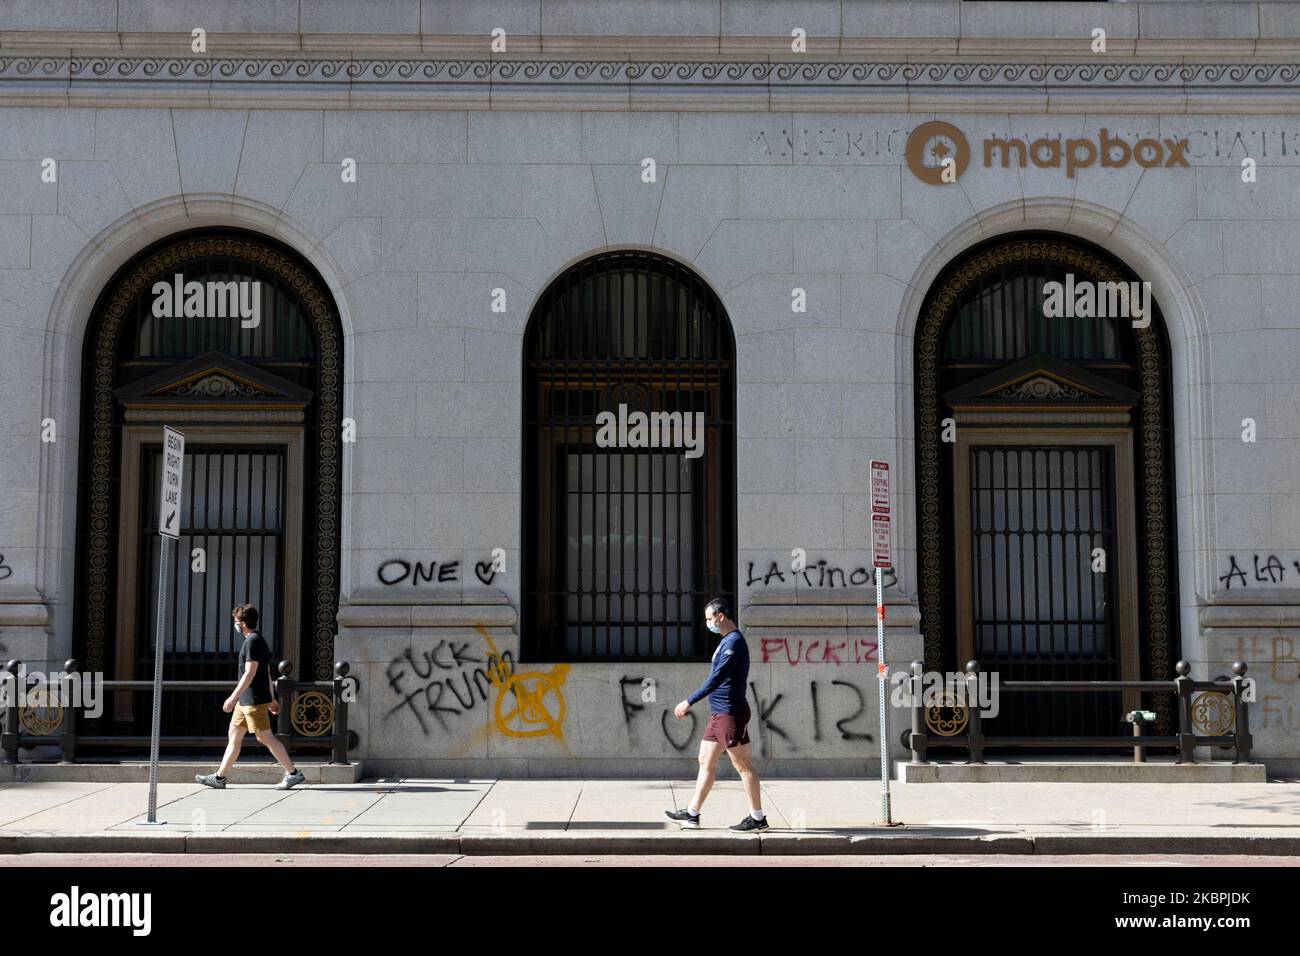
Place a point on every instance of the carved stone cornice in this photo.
(554, 82)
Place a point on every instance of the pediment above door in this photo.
(214, 387)
(1042, 385)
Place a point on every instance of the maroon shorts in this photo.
(728, 729)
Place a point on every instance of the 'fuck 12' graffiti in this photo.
(847, 721)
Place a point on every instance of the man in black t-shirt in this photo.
(252, 703)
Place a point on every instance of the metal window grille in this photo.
(1041, 612)
(233, 510)
(623, 546)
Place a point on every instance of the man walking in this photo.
(252, 703)
(728, 715)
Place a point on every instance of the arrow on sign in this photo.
(170, 519)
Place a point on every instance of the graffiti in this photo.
(632, 707)
(796, 651)
(538, 699)
(853, 708)
(679, 747)
(1284, 666)
(766, 723)
(770, 728)
(1280, 714)
(845, 733)
(442, 672)
(397, 571)
(823, 575)
(1272, 570)
(5, 570)
(525, 705)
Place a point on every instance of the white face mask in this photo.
(238, 630)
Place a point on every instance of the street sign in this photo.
(169, 502)
(880, 487)
(882, 559)
(880, 541)
(169, 526)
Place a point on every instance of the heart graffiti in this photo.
(484, 571)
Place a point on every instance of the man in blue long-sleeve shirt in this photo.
(728, 715)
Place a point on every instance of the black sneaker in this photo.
(749, 824)
(688, 820)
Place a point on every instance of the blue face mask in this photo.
(713, 627)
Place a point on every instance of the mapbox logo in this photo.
(938, 153)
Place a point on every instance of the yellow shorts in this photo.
(255, 718)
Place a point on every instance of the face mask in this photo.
(237, 630)
(713, 627)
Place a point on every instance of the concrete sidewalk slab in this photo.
(545, 817)
(174, 771)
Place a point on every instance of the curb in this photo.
(777, 844)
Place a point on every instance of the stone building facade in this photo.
(824, 227)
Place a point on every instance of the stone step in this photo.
(1082, 771)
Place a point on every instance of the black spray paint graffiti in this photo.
(1271, 571)
(823, 576)
(396, 571)
(632, 707)
(5, 570)
(441, 673)
(767, 726)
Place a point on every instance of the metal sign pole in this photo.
(883, 670)
(156, 731)
(881, 557)
(170, 495)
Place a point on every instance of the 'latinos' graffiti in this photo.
(817, 575)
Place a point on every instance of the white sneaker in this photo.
(290, 780)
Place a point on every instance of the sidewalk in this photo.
(516, 817)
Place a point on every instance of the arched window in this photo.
(233, 340)
(629, 462)
(1045, 479)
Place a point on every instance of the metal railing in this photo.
(313, 715)
(921, 738)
